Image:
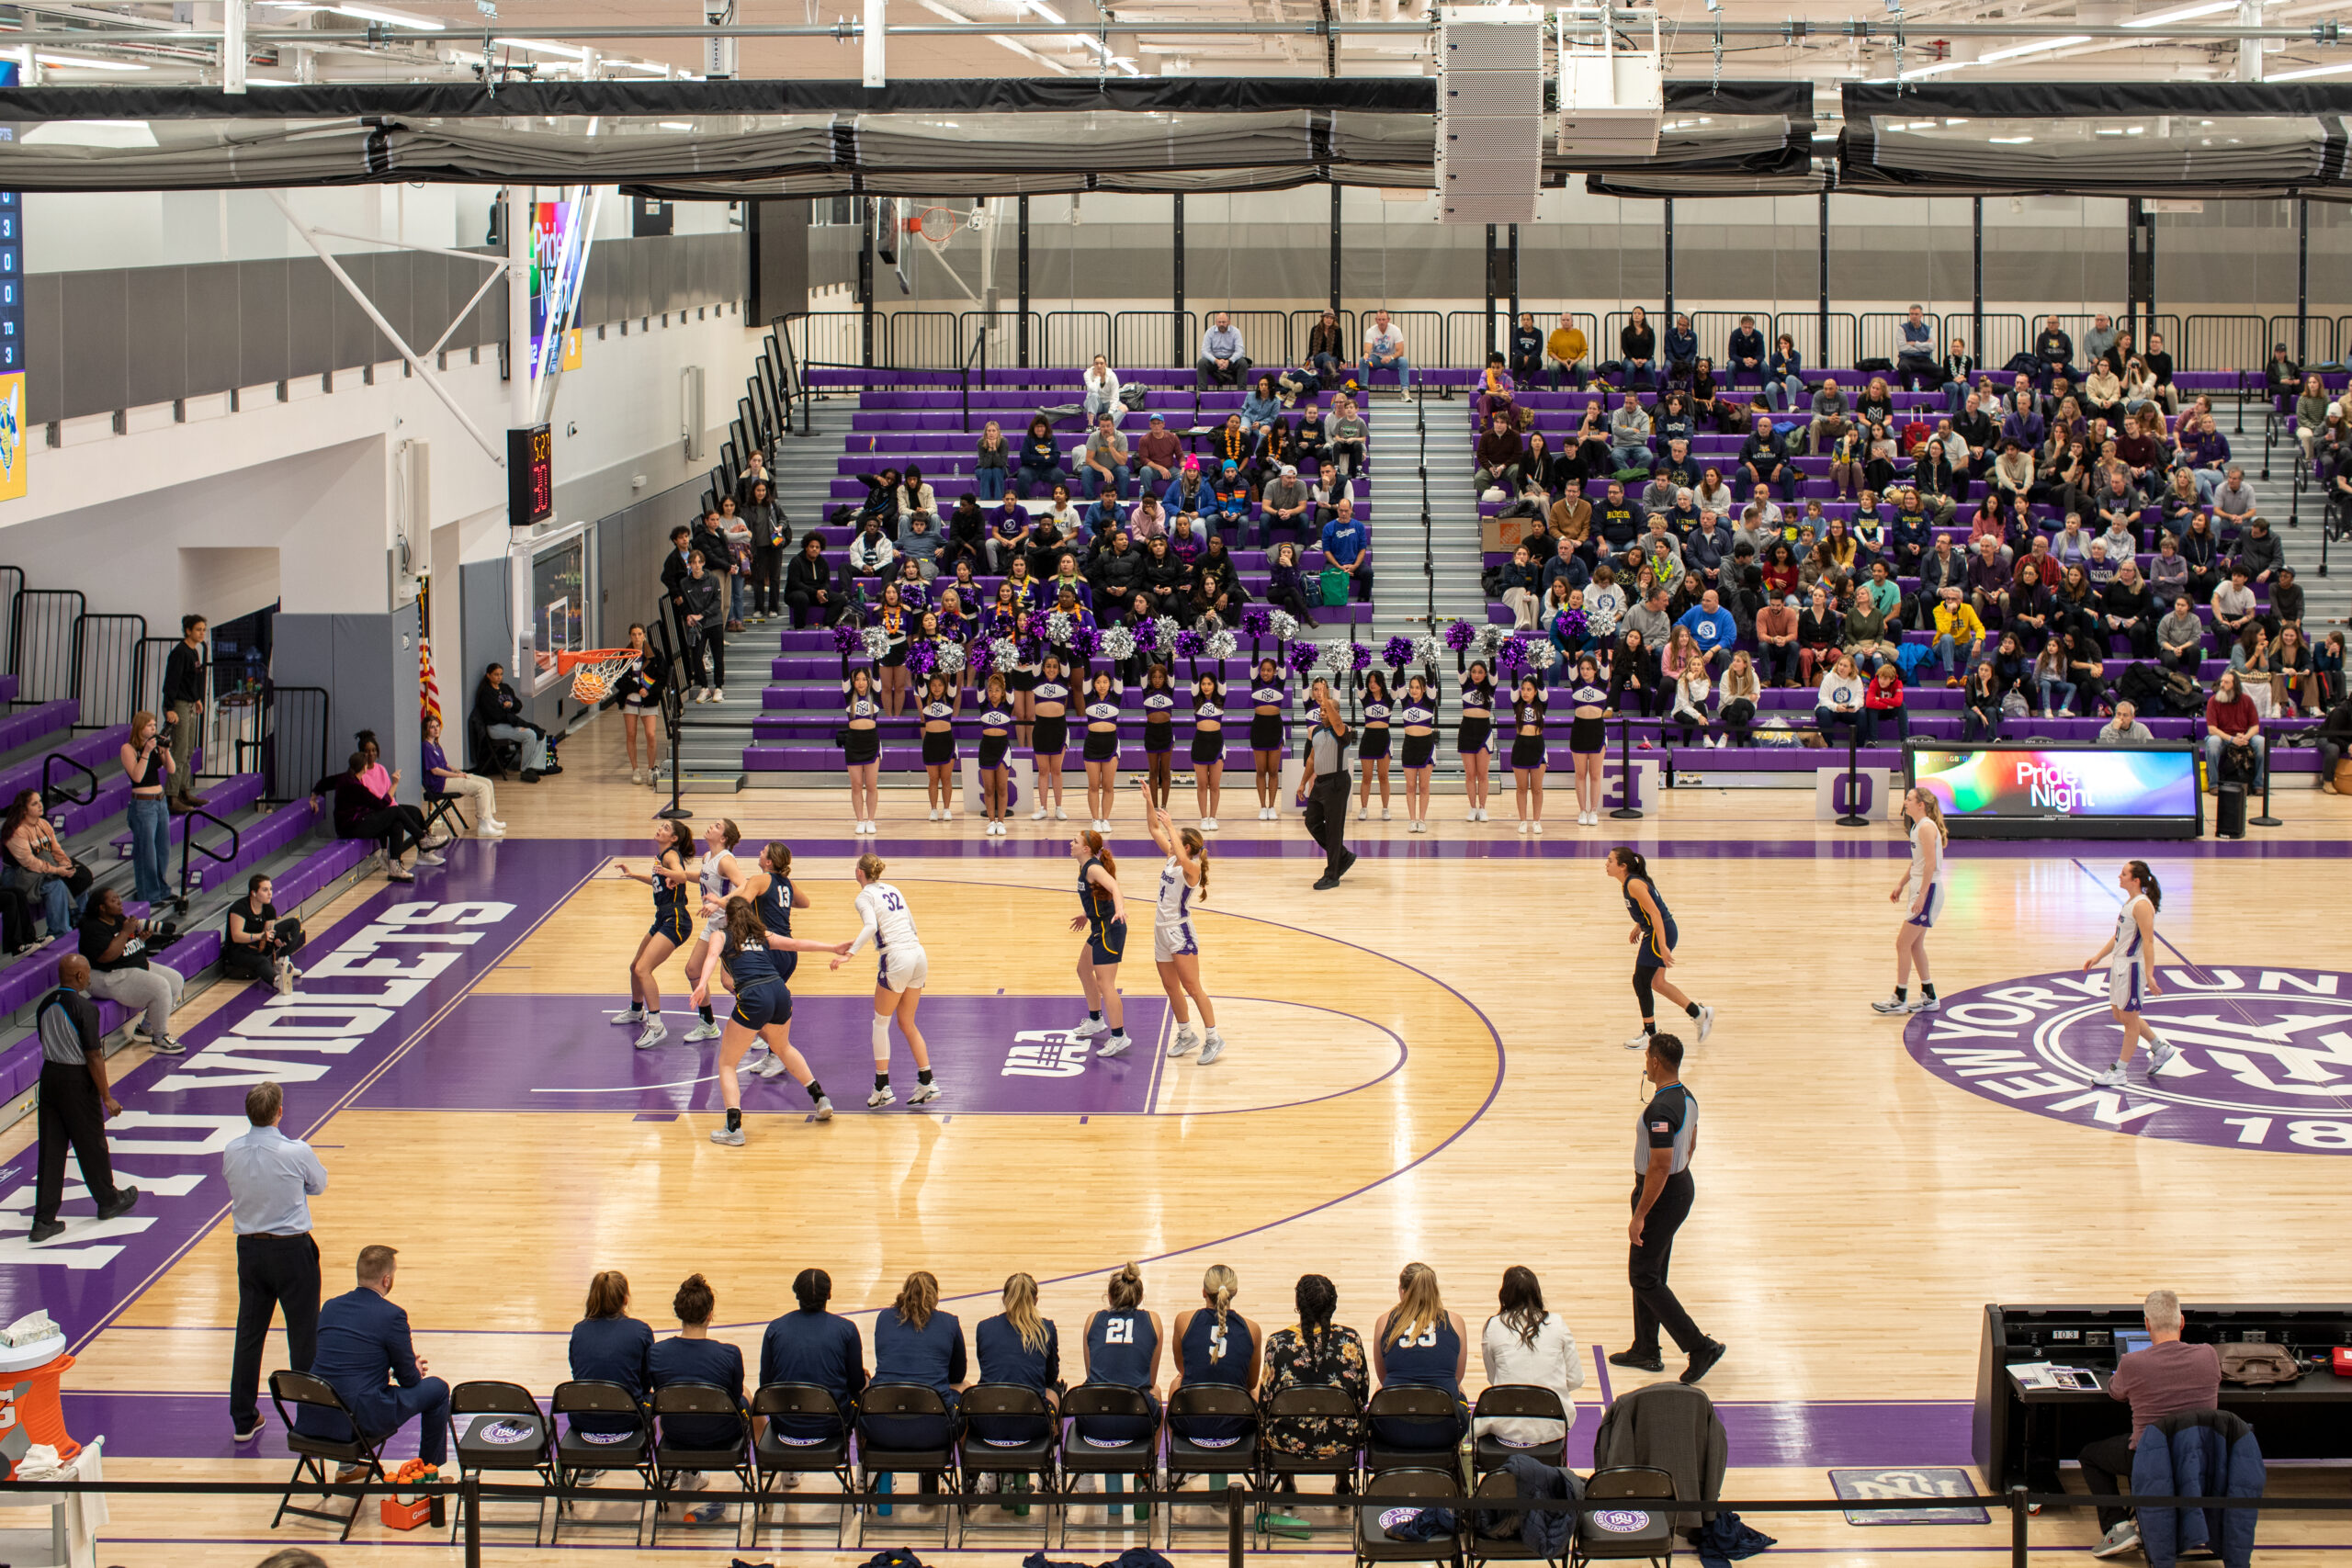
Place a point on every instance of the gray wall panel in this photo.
(261, 311)
(395, 296)
(311, 297)
(354, 337)
(214, 333)
(157, 364)
(97, 318)
(44, 346)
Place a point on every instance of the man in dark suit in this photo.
(363, 1340)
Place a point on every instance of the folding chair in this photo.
(879, 1454)
(508, 1435)
(774, 1456)
(1431, 1404)
(1523, 1402)
(697, 1401)
(1284, 1415)
(1037, 1453)
(443, 808)
(576, 1457)
(1498, 1492)
(304, 1392)
(1428, 1489)
(1137, 1458)
(1642, 1527)
(1188, 1457)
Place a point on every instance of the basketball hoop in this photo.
(594, 670)
(935, 225)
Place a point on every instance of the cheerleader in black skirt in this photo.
(898, 624)
(1208, 748)
(1372, 746)
(1266, 695)
(939, 746)
(1102, 747)
(1418, 716)
(1049, 736)
(1159, 734)
(1472, 738)
(1588, 694)
(862, 746)
(1527, 752)
(996, 742)
(1021, 680)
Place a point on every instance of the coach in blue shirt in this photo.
(363, 1341)
(1710, 625)
(271, 1178)
(1347, 547)
(813, 1346)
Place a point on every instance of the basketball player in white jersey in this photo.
(899, 978)
(2130, 958)
(1921, 894)
(720, 876)
(1174, 948)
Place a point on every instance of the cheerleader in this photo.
(1266, 697)
(862, 747)
(640, 690)
(1021, 678)
(898, 625)
(900, 975)
(1051, 734)
(1418, 716)
(1471, 739)
(1527, 752)
(1372, 746)
(996, 741)
(1208, 748)
(1101, 752)
(1159, 734)
(720, 875)
(1174, 949)
(939, 747)
(1587, 699)
(762, 1010)
(1102, 916)
(673, 846)
(1653, 937)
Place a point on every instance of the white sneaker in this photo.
(1209, 823)
(1214, 1049)
(426, 857)
(872, 827)
(1086, 1027)
(934, 814)
(719, 694)
(1895, 1004)
(1927, 1004)
(2160, 1052)
(704, 1031)
(1060, 815)
(1522, 827)
(773, 1067)
(1536, 829)
(1482, 815)
(1116, 1046)
(652, 1034)
(880, 1097)
(282, 977)
(491, 831)
(1185, 1043)
(925, 1093)
(1383, 814)
(1638, 1043)
(731, 1137)
(633, 1016)
(1706, 1022)
(636, 775)
(2112, 1077)
(1038, 815)
(1363, 814)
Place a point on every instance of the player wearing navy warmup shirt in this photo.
(1217, 1345)
(1123, 1351)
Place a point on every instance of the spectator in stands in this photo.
(609, 1346)
(1159, 459)
(1383, 349)
(2254, 659)
(1744, 356)
(1499, 453)
(1764, 460)
(992, 463)
(809, 583)
(1831, 415)
(363, 1341)
(2286, 602)
(1636, 352)
(1681, 349)
(2127, 611)
(1821, 630)
(1988, 582)
(1326, 351)
(2086, 667)
(2052, 687)
(1041, 457)
(148, 767)
(1711, 626)
(1222, 362)
(2312, 408)
(1346, 434)
(1285, 504)
(2102, 395)
(1884, 717)
(1525, 348)
(919, 546)
(2200, 547)
(1106, 459)
(1261, 410)
(692, 1356)
(2205, 452)
(1958, 365)
(261, 945)
(1868, 636)
(1102, 392)
(1958, 632)
(361, 812)
(1563, 354)
(1783, 376)
(1348, 547)
(2233, 604)
(2125, 729)
(1915, 358)
(2055, 350)
(1837, 705)
(2032, 605)
(1942, 466)
(810, 1344)
(701, 626)
(1629, 435)
(1980, 715)
(2259, 553)
(2334, 736)
(2233, 498)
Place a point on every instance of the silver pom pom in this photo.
(1542, 655)
(951, 658)
(1168, 628)
(1425, 649)
(1004, 654)
(1283, 625)
(1220, 645)
(877, 642)
(1489, 637)
(1059, 625)
(1119, 642)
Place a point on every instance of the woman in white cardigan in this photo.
(1524, 1343)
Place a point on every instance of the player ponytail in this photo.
(1419, 1307)
(869, 866)
(918, 1299)
(1125, 1289)
(2147, 881)
(730, 833)
(1100, 850)
(1219, 1285)
(1198, 847)
(1021, 1312)
(776, 857)
(1636, 866)
(1933, 810)
(744, 927)
(682, 842)
(1317, 1299)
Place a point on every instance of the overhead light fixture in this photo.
(1044, 10)
(540, 46)
(2182, 13)
(2009, 140)
(2038, 46)
(1937, 69)
(390, 18)
(84, 62)
(677, 125)
(2306, 74)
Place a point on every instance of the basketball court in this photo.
(1425, 1063)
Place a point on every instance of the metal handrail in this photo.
(189, 846)
(49, 790)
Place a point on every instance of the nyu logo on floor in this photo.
(2265, 1062)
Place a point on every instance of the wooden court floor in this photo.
(1425, 1063)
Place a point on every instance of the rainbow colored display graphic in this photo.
(2059, 782)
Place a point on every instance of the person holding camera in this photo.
(147, 763)
(261, 945)
(117, 947)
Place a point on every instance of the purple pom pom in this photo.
(1256, 621)
(921, 657)
(1084, 640)
(1188, 644)
(1397, 652)
(1459, 635)
(1146, 635)
(1359, 658)
(848, 639)
(1303, 656)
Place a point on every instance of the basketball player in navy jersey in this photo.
(1102, 916)
(1123, 1343)
(1654, 936)
(762, 1010)
(672, 926)
(1421, 1343)
(1217, 1345)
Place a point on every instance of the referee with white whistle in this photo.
(1663, 1139)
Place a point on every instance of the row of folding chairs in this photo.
(1637, 1525)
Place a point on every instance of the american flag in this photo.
(429, 689)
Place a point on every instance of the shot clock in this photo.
(530, 474)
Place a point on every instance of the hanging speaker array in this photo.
(1490, 104)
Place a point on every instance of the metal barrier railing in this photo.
(42, 640)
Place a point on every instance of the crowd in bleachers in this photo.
(2034, 534)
